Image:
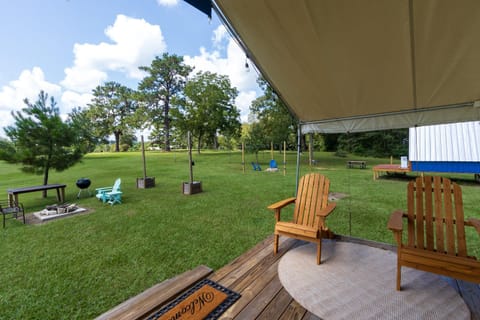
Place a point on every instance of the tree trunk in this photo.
(166, 125)
(117, 141)
(199, 145)
(45, 177)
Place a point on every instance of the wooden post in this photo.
(284, 157)
(144, 162)
(243, 157)
(271, 150)
(145, 182)
(189, 139)
(191, 187)
(310, 149)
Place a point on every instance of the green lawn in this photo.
(81, 266)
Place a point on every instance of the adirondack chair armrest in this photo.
(104, 189)
(473, 223)
(281, 204)
(277, 207)
(395, 222)
(327, 210)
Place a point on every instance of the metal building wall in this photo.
(446, 148)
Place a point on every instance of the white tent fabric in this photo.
(353, 65)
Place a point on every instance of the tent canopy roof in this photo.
(349, 65)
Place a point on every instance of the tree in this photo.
(112, 110)
(255, 139)
(208, 108)
(376, 143)
(277, 122)
(81, 123)
(41, 140)
(159, 90)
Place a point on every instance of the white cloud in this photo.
(219, 35)
(72, 99)
(167, 3)
(135, 42)
(232, 65)
(243, 101)
(28, 85)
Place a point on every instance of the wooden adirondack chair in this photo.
(310, 212)
(435, 231)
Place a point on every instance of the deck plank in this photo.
(294, 311)
(277, 306)
(254, 275)
(255, 300)
(142, 305)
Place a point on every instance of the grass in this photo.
(81, 266)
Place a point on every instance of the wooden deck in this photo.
(389, 168)
(254, 276)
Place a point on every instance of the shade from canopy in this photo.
(361, 65)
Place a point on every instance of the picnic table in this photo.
(13, 193)
(362, 164)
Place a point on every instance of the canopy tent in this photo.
(352, 66)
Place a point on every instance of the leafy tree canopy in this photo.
(40, 140)
(159, 90)
(277, 122)
(208, 108)
(112, 110)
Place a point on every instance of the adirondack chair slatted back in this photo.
(435, 216)
(116, 185)
(312, 196)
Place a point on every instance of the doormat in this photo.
(205, 300)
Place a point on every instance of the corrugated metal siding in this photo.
(446, 142)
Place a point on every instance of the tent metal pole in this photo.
(299, 146)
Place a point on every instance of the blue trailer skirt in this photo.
(446, 166)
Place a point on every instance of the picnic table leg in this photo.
(61, 195)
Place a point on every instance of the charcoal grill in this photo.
(83, 184)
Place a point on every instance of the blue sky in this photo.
(68, 47)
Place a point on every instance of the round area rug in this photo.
(358, 282)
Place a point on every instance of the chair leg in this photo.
(275, 244)
(399, 276)
(319, 251)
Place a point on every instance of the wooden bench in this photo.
(357, 163)
(13, 193)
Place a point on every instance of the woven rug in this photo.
(358, 282)
(205, 300)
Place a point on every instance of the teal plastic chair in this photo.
(110, 195)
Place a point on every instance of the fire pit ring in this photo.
(83, 184)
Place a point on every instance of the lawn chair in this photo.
(12, 208)
(435, 231)
(110, 195)
(310, 213)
